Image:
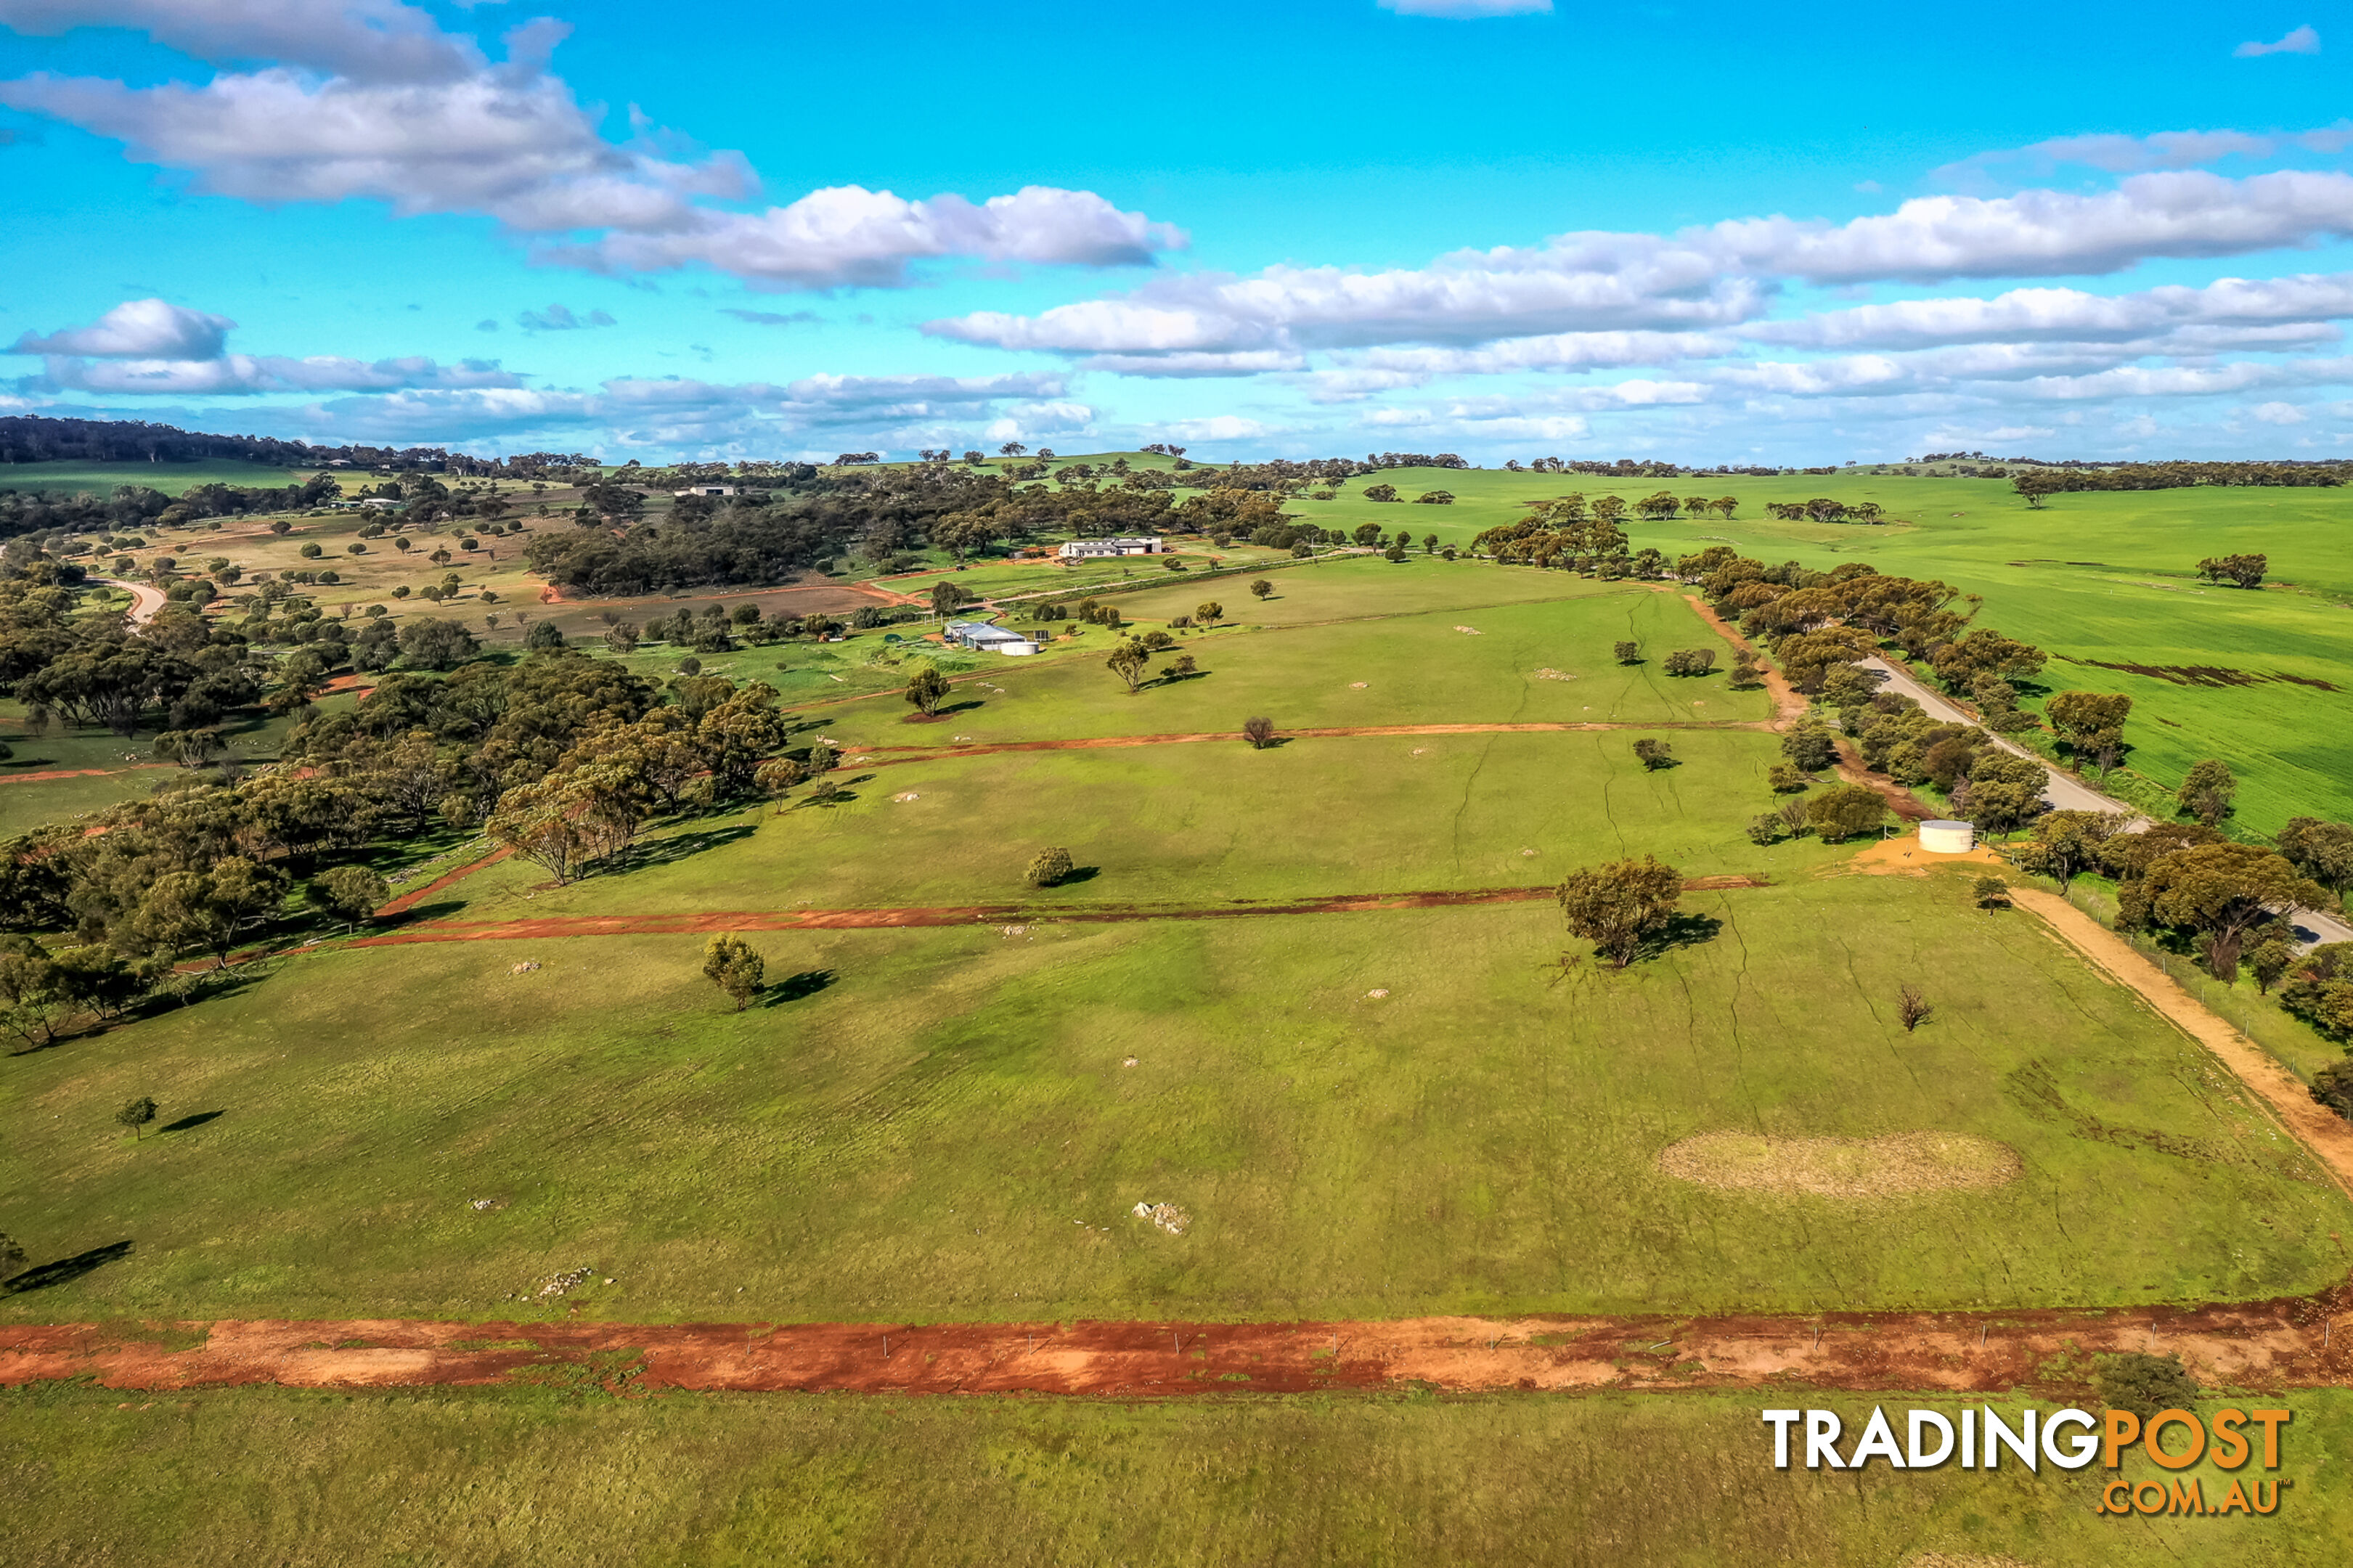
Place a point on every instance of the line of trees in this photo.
(1821, 509)
(2036, 483)
(59, 513)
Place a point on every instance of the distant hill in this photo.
(35, 438)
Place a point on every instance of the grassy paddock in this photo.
(911, 1125)
(126, 767)
(496, 1476)
(1204, 820)
(1330, 653)
(2106, 576)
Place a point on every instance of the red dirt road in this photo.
(78, 772)
(2261, 1345)
(1788, 704)
(410, 900)
(959, 915)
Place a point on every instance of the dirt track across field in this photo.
(2265, 1345)
(963, 914)
(1788, 704)
(410, 900)
(78, 773)
(876, 756)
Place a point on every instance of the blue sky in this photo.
(1709, 232)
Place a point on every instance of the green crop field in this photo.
(171, 478)
(2098, 579)
(233, 1477)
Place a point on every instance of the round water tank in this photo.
(1947, 838)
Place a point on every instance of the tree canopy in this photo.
(1620, 906)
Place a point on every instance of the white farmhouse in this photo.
(983, 638)
(1089, 548)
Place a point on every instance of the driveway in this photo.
(2065, 792)
(144, 601)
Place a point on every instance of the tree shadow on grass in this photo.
(65, 1270)
(680, 845)
(443, 908)
(1078, 874)
(797, 987)
(1681, 930)
(188, 1123)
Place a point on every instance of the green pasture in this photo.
(1353, 587)
(1539, 662)
(331, 1479)
(171, 478)
(1204, 821)
(2106, 576)
(937, 1124)
(102, 766)
(1027, 577)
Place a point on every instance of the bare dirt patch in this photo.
(1905, 858)
(2270, 1345)
(1897, 1165)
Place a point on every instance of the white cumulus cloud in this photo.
(1467, 298)
(371, 99)
(2049, 233)
(155, 348)
(137, 329)
(238, 375)
(2069, 314)
(847, 235)
(381, 40)
(2303, 40)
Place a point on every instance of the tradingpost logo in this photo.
(2067, 1439)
